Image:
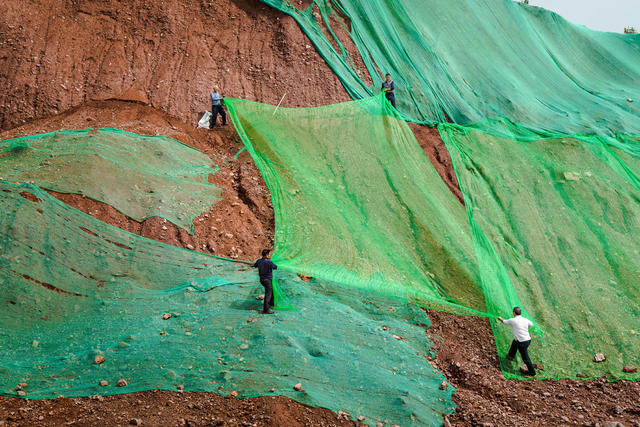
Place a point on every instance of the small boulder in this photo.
(272, 389)
(135, 422)
(233, 394)
(629, 100)
(21, 393)
(443, 385)
(98, 360)
(571, 176)
(103, 383)
(298, 387)
(630, 369)
(122, 383)
(166, 316)
(599, 357)
(190, 247)
(180, 387)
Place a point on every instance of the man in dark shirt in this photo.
(265, 267)
(216, 108)
(388, 87)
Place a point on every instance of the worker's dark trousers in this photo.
(522, 348)
(392, 99)
(268, 294)
(215, 110)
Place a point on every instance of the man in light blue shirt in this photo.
(216, 108)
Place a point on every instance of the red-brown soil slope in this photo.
(55, 55)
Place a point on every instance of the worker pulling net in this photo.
(482, 59)
(140, 176)
(556, 226)
(84, 311)
(358, 202)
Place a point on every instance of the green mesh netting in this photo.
(72, 287)
(141, 176)
(556, 226)
(357, 201)
(485, 58)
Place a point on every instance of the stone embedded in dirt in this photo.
(166, 316)
(298, 387)
(233, 394)
(443, 385)
(98, 360)
(612, 424)
(180, 387)
(599, 357)
(103, 383)
(135, 422)
(122, 383)
(190, 247)
(630, 369)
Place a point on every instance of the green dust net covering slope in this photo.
(357, 201)
(141, 176)
(556, 226)
(72, 287)
(484, 58)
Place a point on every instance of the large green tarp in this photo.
(72, 288)
(556, 227)
(483, 59)
(358, 202)
(141, 176)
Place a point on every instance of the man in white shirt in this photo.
(520, 327)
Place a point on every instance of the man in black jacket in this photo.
(388, 87)
(265, 269)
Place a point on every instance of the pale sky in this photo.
(602, 15)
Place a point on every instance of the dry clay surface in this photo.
(55, 55)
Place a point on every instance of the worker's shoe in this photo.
(268, 312)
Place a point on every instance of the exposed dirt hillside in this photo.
(55, 55)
